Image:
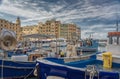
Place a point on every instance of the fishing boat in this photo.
(15, 63)
(113, 46)
(16, 69)
(88, 45)
(83, 69)
(58, 44)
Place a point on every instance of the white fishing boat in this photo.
(57, 45)
(113, 46)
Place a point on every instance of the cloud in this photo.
(6, 7)
(66, 12)
(89, 14)
(98, 30)
(1, 15)
(96, 35)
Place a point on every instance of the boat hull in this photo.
(74, 70)
(85, 49)
(16, 69)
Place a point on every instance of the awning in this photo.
(38, 36)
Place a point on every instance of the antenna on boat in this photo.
(117, 26)
(90, 34)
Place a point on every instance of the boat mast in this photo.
(117, 22)
(117, 29)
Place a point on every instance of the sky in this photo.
(96, 17)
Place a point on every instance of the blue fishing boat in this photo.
(88, 45)
(14, 64)
(82, 69)
(16, 69)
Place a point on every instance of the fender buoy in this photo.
(35, 70)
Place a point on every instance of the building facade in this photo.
(16, 27)
(70, 32)
(64, 31)
(50, 27)
(78, 32)
(54, 28)
(27, 30)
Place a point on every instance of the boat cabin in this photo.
(113, 47)
(114, 43)
(34, 56)
(114, 38)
